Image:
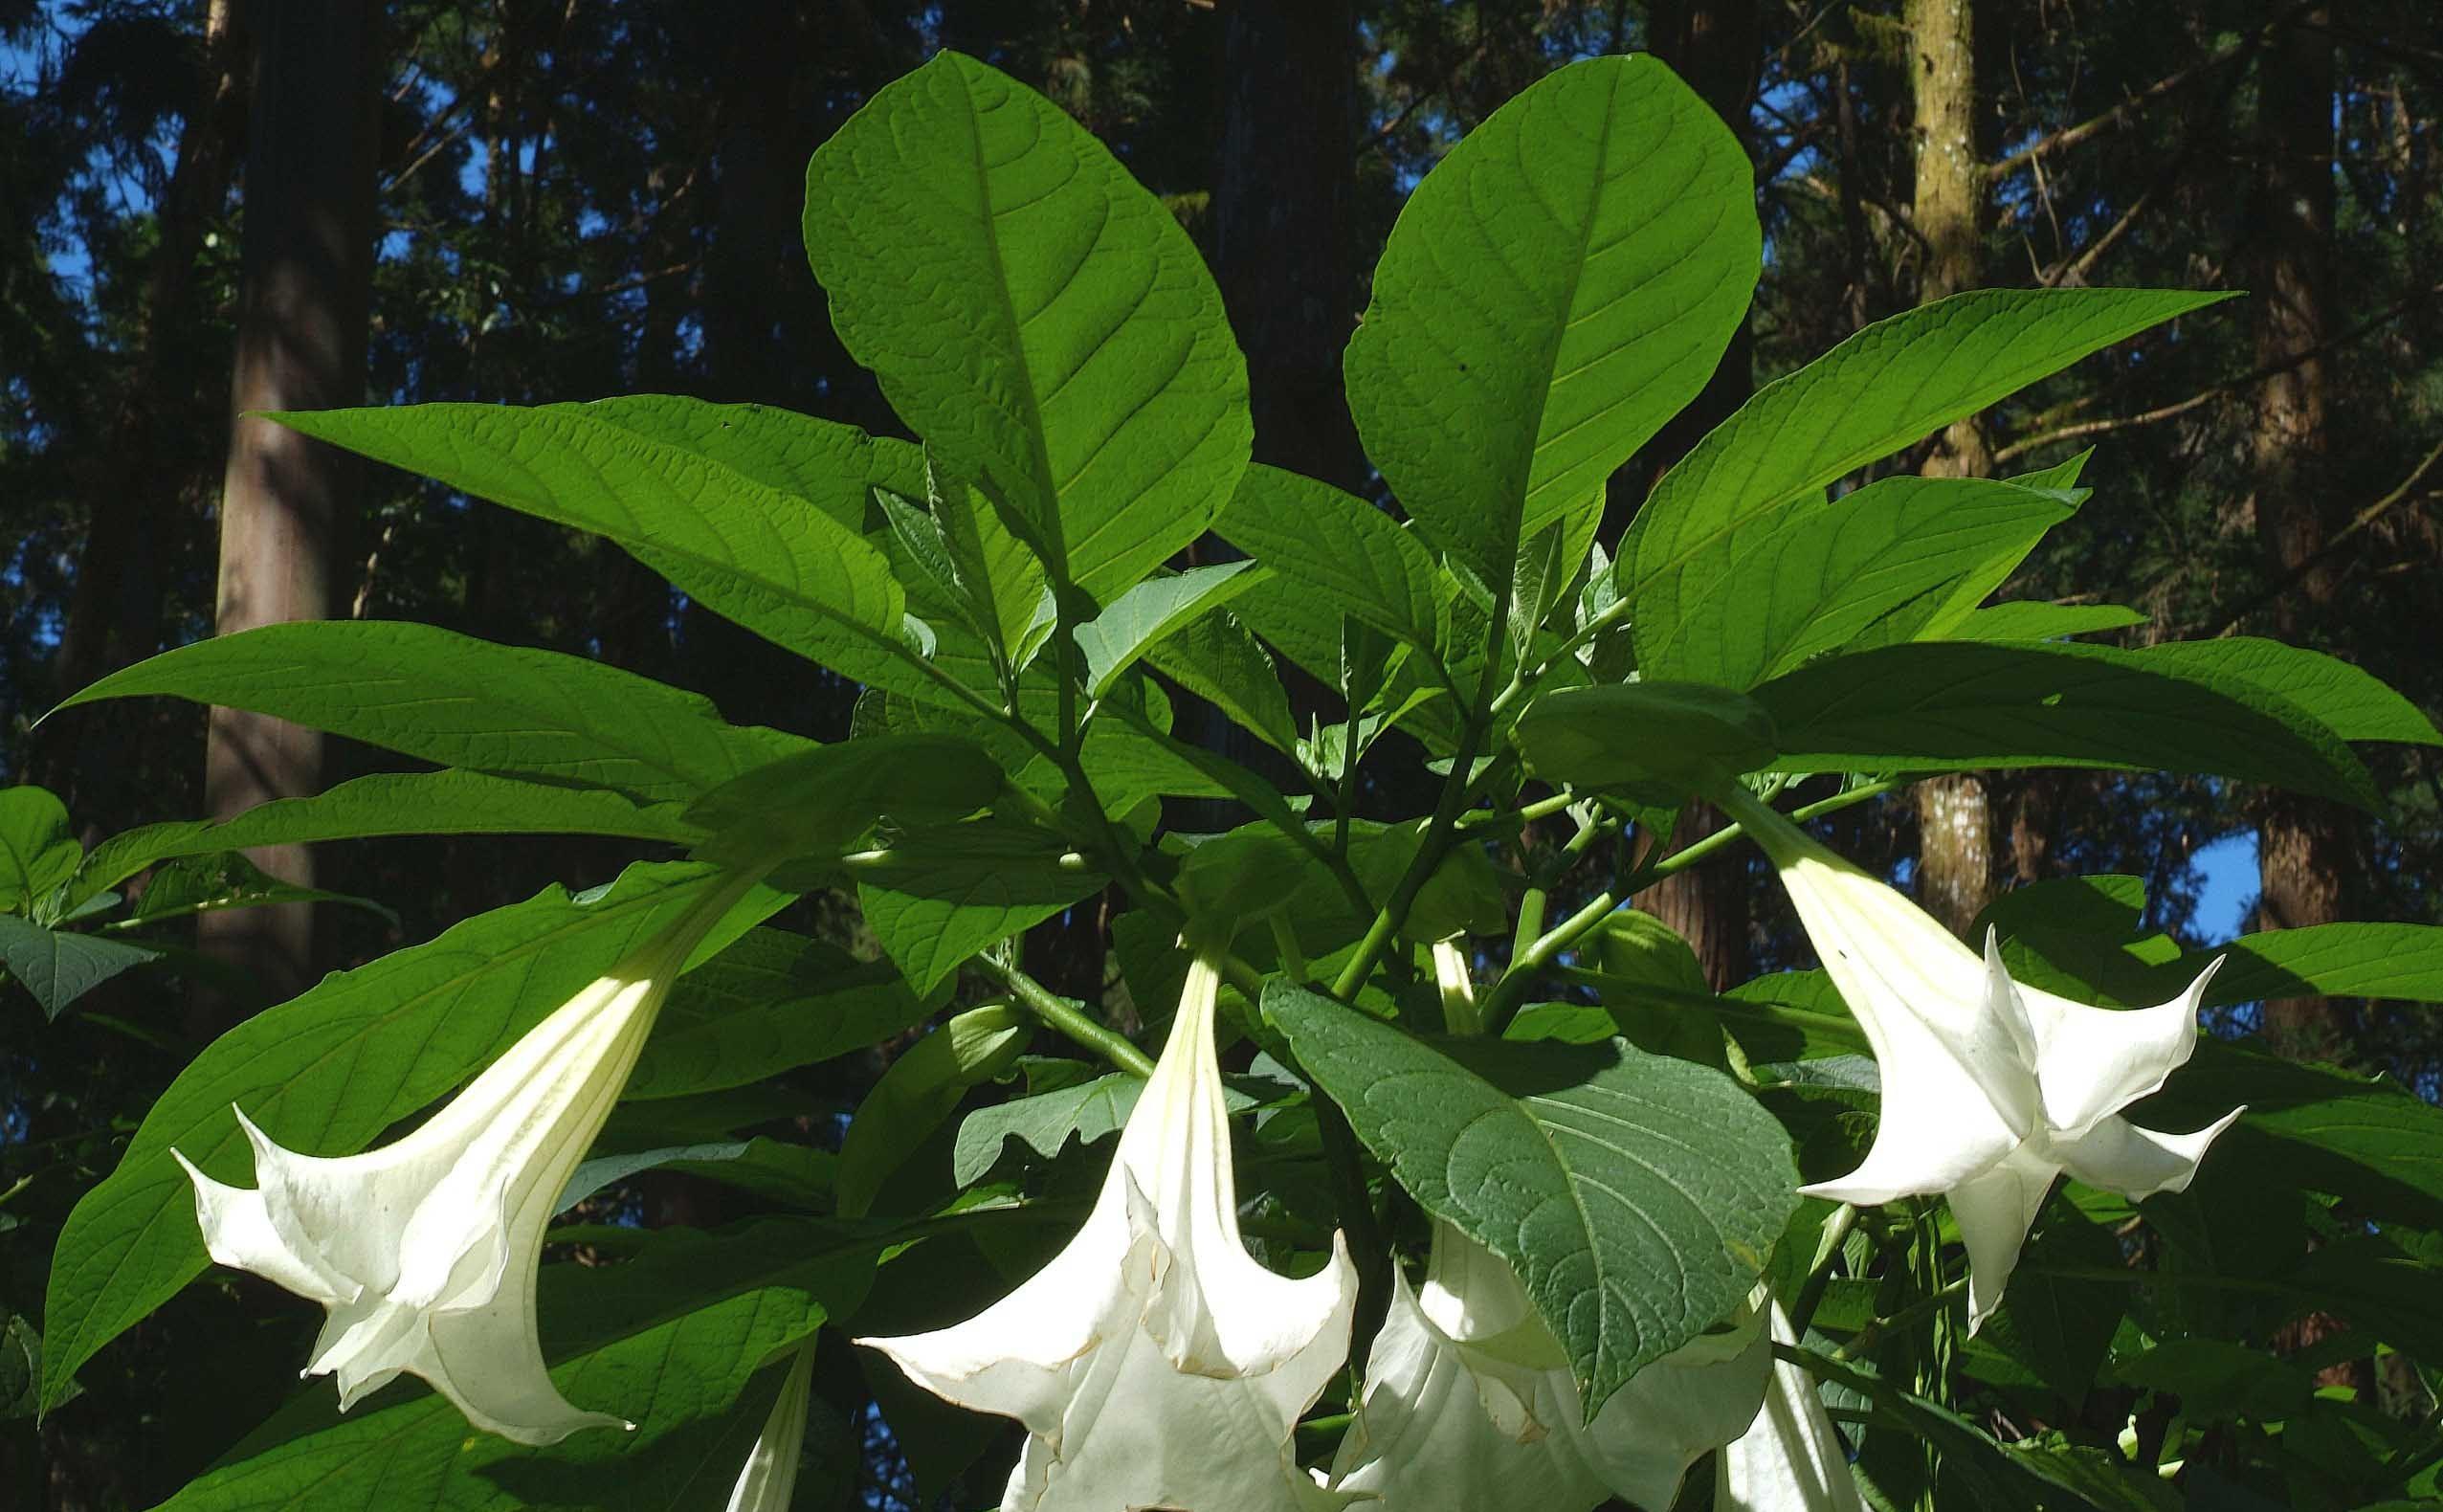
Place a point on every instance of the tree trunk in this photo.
(2305, 846)
(1714, 45)
(1284, 233)
(114, 614)
(305, 283)
(1954, 813)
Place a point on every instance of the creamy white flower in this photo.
(1154, 1363)
(1990, 1088)
(1790, 1459)
(425, 1251)
(770, 1480)
(1470, 1402)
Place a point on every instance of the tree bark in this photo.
(306, 281)
(1715, 46)
(1285, 228)
(1954, 813)
(2304, 847)
(114, 614)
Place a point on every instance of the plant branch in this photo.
(1067, 1017)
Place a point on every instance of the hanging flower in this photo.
(1470, 1402)
(770, 1480)
(1990, 1088)
(425, 1251)
(1790, 1459)
(1154, 1363)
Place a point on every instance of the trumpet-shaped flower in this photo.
(1154, 1361)
(768, 1482)
(1790, 1459)
(425, 1251)
(1470, 1402)
(1990, 1088)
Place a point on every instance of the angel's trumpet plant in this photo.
(425, 1251)
(1990, 1088)
(769, 1480)
(1790, 1459)
(1154, 1361)
(1470, 1402)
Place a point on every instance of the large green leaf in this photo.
(816, 799)
(1636, 1195)
(682, 485)
(37, 853)
(770, 1002)
(324, 1073)
(2035, 619)
(1154, 610)
(1553, 291)
(1872, 564)
(1959, 703)
(672, 1339)
(1035, 315)
(1885, 387)
(447, 698)
(1356, 557)
(1220, 660)
(58, 965)
(2355, 702)
(389, 803)
(1044, 1121)
(1677, 735)
(952, 891)
(920, 1091)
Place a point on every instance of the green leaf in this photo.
(1000, 579)
(1636, 1195)
(1035, 315)
(817, 798)
(1553, 291)
(1643, 734)
(949, 893)
(1874, 566)
(1140, 619)
(1216, 659)
(1892, 383)
(921, 1088)
(37, 853)
(447, 698)
(672, 1339)
(1351, 554)
(2035, 619)
(324, 1073)
(1958, 704)
(58, 967)
(389, 803)
(196, 884)
(2355, 702)
(1043, 1123)
(776, 548)
(772, 1001)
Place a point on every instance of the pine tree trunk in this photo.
(2305, 846)
(1954, 813)
(306, 282)
(1716, 47)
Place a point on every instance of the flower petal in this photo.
(2091, 1063)
(1790, 1459)
(2137, 1162)
(239, 1234)
(770, 1480)
(1994, 1212)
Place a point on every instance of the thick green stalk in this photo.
(1067, 1017)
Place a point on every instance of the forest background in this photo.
(538, 200)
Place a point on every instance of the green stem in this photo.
(1698, 850)
(1924, 1306)
(1526, 966)
(1067, 1017)
(1810, 1295)
(1285, 942)
(1520, 818)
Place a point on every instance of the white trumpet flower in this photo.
(1990, 1088)
(1470, 1402)
(425, 1251)
(1154, 1363)
(770, 1480)
(1790, 1459)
